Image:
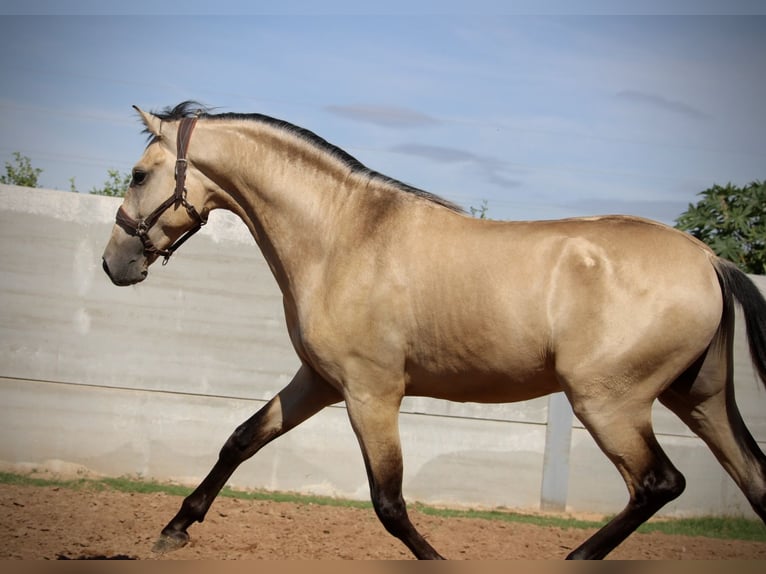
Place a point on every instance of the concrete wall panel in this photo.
(150, 380)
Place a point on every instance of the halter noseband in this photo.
(140, 228)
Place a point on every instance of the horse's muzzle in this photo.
(124, 279)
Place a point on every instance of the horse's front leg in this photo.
(375, 420)
(306, 395)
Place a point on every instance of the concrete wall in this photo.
(150, 380)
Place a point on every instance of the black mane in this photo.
(191, 108)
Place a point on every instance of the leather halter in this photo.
(140, 228)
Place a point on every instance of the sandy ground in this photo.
(52, 522)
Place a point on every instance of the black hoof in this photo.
(169, 541)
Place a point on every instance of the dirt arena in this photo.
(55, 523)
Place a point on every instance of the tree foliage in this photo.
(21, 172)
(481, 211)
(115, 185)
(732, 221)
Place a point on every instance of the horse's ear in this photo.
(151, 122)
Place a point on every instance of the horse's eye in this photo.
(139, 177)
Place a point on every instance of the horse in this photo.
(391, 291)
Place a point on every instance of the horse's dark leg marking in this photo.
(628, 440)
(303, 397)
(650, 492)
(375, 423)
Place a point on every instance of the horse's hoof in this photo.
(169, 541)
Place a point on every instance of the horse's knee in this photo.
(240, 445)
(233, 449)
(250, 436)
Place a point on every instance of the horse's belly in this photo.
(481, 387)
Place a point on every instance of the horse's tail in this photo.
(736, 285)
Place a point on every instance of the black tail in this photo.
(736, 285)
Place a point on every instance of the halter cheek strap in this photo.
(140, 228)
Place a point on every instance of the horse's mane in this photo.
(191, 108)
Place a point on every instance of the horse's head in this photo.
(164, 205)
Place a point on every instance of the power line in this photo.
(100, 117)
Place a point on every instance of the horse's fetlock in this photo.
(392, 514)
(194, 509)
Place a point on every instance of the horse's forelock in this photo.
(185, 109)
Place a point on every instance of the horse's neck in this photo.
(291, 197)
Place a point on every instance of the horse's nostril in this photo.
(106, 267)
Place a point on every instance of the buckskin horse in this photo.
(390, 291)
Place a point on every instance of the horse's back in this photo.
(523, 304)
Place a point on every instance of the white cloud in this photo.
(491, 169)
(662, 103)
(386, 116)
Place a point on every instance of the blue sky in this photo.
(544, 110)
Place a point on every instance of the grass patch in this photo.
(25, 480)
(126, 484)
(708, 527)
(508, 516)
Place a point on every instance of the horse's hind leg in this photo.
(624, 432)
(303, 397)
(706, 404)
(375, 422)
